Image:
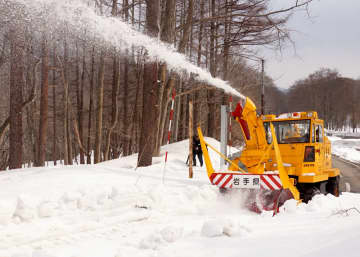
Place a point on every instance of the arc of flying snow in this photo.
(110, 30)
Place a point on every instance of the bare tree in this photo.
(150, 89)
(17, 41)
(100, 106)
(43, 103)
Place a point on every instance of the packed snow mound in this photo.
(223, 227)
(323, 204)
(113, 209)
(348, 149)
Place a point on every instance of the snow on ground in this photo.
(113, 210)
(348, 149)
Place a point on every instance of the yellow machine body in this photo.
(292, 145)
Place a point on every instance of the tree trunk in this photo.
(191, 125)
(43, 125)
(187, 28)
(150, 90)
(166, 100)
(114, 113)
(66, 96)
(5, 125)
(178, 99)
(167, 35)
(89, 148)
(67, 103)
(160, 107)
(181, 120)
(185, 118)
(31, 129)
(135, 116)
(54, 109)
(80, 98)
(126, 137)
(100, 105)
(211, 92)
(17, 83)
(147, 137)
(201, 28)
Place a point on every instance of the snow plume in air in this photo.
(77, 16)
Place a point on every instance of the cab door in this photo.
(319, 146)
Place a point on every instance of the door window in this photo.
(313, 133)
(319, 134)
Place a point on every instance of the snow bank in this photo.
(323, 204)
(111, 209)
(348, 149)
(7, 210)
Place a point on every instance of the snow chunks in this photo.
(221, 227)
(7, 209)
(169, 234)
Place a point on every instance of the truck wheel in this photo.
(307, 191)
(333, 186)
(310, 192)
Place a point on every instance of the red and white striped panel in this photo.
(270, 182)
(267, 181)
(223, 180)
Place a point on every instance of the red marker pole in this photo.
(171, 116)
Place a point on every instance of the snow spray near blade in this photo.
(77, 16)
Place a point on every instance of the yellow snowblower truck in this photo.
(286, 156)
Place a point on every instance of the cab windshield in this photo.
(290, 131)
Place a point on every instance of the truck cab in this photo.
(305, 150)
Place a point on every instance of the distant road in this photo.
(345, 135)
(350, 173)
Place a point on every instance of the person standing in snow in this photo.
(197, 151)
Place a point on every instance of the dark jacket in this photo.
(196, 145)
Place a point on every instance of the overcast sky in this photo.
(330, 39)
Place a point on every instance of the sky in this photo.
(328, 39)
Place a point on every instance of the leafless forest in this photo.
(66, 98)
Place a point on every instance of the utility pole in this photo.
(262, 88)
(224, 129)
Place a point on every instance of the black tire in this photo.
(307, 191)
(310, 192)
(333, 186)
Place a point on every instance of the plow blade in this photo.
(267, 200)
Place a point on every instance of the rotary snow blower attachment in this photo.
(285, 157)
